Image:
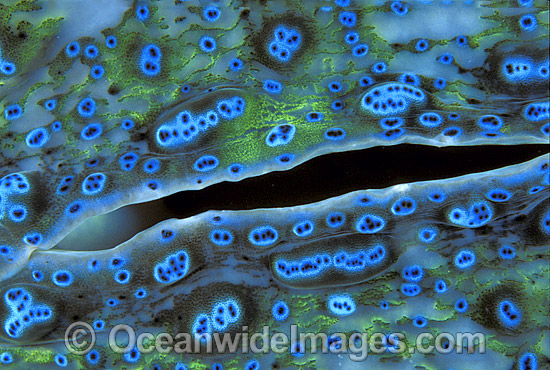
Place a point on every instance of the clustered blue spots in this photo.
(430, 119)
(12, 112)
(228, 109)
(370, 224)
(272, 86)
(150, 60)
(335, 86)
(32, 238)
(413, 273)
(336, 219)
(410, 78)
(141, 293)
(221, 237)
(91, 131)
(86, 107)
(24, 314)
(174, 268)
(348, 19)
(360, 50)
(37, 138)
(478, 215)
(391, 98)
(263, 236)
(211, 13)
(280, 311)
(335, 134)
(341, 305)
(280, 135)
(509, 314)
(465, 259)
(94, 183)
(536, 112)
(303, 228)
(132, 356)
(206, 163)
(399, 8)
(286, 41)
(410, 289)
(499, 195)
(404, 206)
(490, 122)
(314, 116)
(128, 161)
(62, 278)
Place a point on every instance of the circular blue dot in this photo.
(91, 131)
(379, 67)
(142, 12)
(6, 358)
(93, 357)
(347, 19)
(420, 321)
(37, 276)
(72, 49)
(86, 107)
(399, 8)
(462, 40)
(141, 293)
(12, 112)
(50, 104)
(384, 305)
(507, 252)
(422, 45)
(236, 64)
(60, 360)
(7, 68)
(127, 124)
(98, 324)
(62, 278)
(37, 138)
(97, 71)
(337, 105)
(440, 83)
(335, 86)
(445, 58)
(207, 44)
(91, 51)
(461, 305)
(122, 277)
(360, 50)
(280, 311)
(441, 286)
(528, 22)
(351, 37)
(110, 41)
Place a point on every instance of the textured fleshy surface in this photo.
(135, 102)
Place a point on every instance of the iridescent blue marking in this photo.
(351, 37)
(462, 40)
(360, 50)
(50, 104)
(440, 83)
(97, 72)
(404, 206)
(91, 131)
(303, 228)
(490, 122)
(38, 276)
(173, 268)
(206, 163)
(461, 305)
(314, 117)
(98, 325)
(280, 135)
(280, 311)
(60, 360)
(452, 132)
(413, 273)
(342, 3)
(122, 276)
(370, 224)
(536, 112)
(207, 44)
(93, 357)
(379, 67)
(409, 78)
(91, 51)
(335, 86)
(366, 81)
(478, 215)
(410, 289)
(236, 64)
(528, 22)
(347, 19)
(419, 321)
(399, 8)
(86, 107)
(111, 41)
(132, 356)
(252, 365)
(430, 119)
(12, 112)
(528, 361)
(465, 259)
(142, 12)
(7, 68)
(509, 314)
(65, 185)
(55, 126)
(6, 358)
(74, 208)
(341, 305)
(32, 238)
(498, 195)
(62, 278)
(336, 219)
(151, 166)
(72, 49)
(128, 161)
(445, 59)
(422, 45)
(263, 236)
(335, 134)
(94, 183)
(221, 237)
(272, 86)
(427, 234)
(337, 105)
(235, 169)
(211, 13)
(37, 138)
(440, 286)
(285, 158)
(545, 223)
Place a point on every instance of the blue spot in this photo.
(399, 8)
(528, 361)
(280, 135)
(280, 311)
(207, 44)
(150, 60)
(366, 81)
(141, 293)
(462, 40)
(180, 366)
(360, 50)
(142, 13)
(93, 265)
(174, 268)
(430, 119)
(499, 195)
(37, 276)
(412, 273)
(422, 45)
(74, 207)
(544, 71)
(91, 131)
(410, 78)
(391, 123)
(110, 41)
(348, 19)
(206, 163)
(536, 189)
(236, 64)
(94, 183)
(384, 305)
(37, 138)
(235, 169)
(427, 234)
(33, 238)
(370, 224)
(545, 129)
(404, 206)
(211, 13)
(528, 22)
(252, 365)
(93, 357)
(65, 185)
(151, 166)
(91, 51)
(441, 286)
(440, 83)
(452, 132)
(12, 112)
(62, 278)
(284, 158)
(112, 302)
(536, 112)
(221, 237)
(86, 107)
(526, 3)
(545, 223)
(60, 360)
(127, 124)
(336, 219)
(56, 126)
(7, 68)
(410, 289)
(72, 49)
(263, 236)
(272, 86)
(217, 367)
(6, 358)
(341, 305)
(509, 314)
(122, 277)
(461, 305)
(128, 161)
(490, 122)
(337, 105)
(185, 88)
(379, 67)
(342, 3)
(445, 58)
(304, 228)
(335, 86)
(97, 72)
(297, 350)
(314, 116)
(50, 104)
(453, 116)
(420, 321)
(351, 37)
(116, 263)
(465, 259)
(167, 235)
(98, 324)
(132, 356)
(335, 134)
